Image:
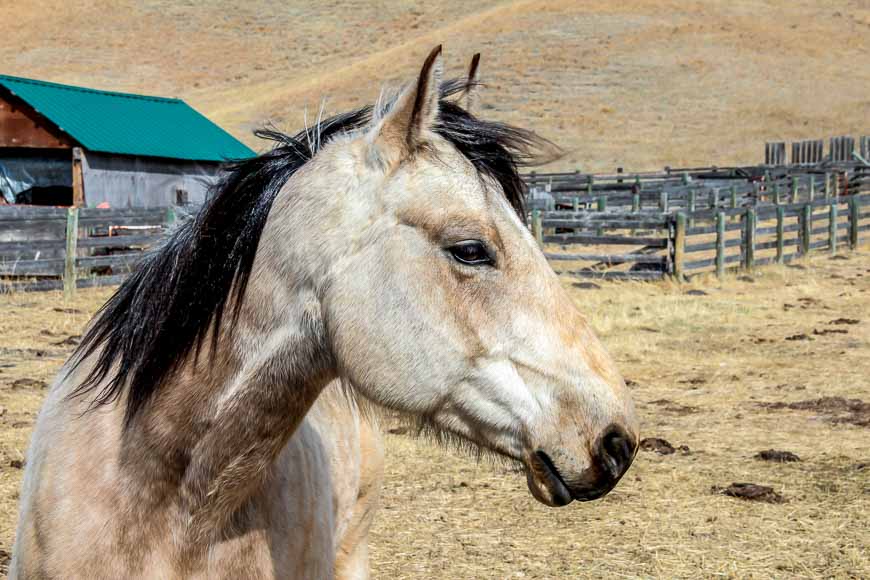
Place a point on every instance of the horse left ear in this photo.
(416, 110)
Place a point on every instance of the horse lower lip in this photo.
(558, 489)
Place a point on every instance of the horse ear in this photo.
(473, 84)
(416, 109)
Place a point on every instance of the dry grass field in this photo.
(778, 359)
(636, 83)
(711, 365)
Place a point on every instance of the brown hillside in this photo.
(634, 83)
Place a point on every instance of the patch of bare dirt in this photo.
(824, 331)
(833, 409)
(750, 492)
(693, 381)
(662, 446)
(28, 383)
(777, 456)
(657, 445)
(674, 407)
(23, 353)
(72, 340)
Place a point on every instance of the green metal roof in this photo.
(128, 124)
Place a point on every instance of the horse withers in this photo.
(209, 425)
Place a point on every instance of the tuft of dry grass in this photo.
(704, 370)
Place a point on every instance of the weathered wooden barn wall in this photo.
(21, 126)
(125, 181)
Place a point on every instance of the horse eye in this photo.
(471, 252)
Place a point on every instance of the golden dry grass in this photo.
(699, 366)
(637, 83)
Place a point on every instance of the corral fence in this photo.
(47, 248)
(649, 225)
(680, 222)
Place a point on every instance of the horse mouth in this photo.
(545, 482)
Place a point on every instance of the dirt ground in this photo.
(778, 359)
(633, 83)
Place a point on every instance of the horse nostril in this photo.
(617, 451)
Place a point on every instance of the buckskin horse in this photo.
(211, 423)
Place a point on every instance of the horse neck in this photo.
(220, 422)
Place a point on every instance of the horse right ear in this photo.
(403, 129)
(472, 85)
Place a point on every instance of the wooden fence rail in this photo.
(45, 248)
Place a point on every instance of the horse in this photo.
(213, 421)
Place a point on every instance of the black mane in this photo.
(179, 292)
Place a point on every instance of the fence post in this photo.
(714, 198)
(78, 182)
(692, 202)
(663, 202)
(635, 203)
(780, 235)
(69, 262)
(854, 217)
(795, 185)
(776, 193)
(537, 229)
(589, 185)
(812, 191)
(575, 204)
(602, 207)
(832, 227)
(733, 196)
(749, 225)
(720, 244)
(806, 228)
(827, 185)
(679, 245)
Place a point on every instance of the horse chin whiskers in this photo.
(425, 427)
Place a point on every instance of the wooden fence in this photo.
(646, 226)
(44, 248)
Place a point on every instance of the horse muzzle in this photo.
(557, 486)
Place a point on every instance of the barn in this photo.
(74, 146)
